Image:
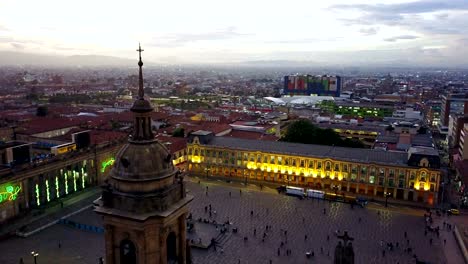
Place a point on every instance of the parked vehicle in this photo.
(453, 212)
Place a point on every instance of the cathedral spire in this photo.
(141, 92)
(141, 109)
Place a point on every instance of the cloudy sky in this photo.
(425, 32)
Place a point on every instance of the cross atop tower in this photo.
(141, 92)
(139, 51)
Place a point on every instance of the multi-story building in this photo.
(363, 109)
(412, 176)
(309, 85)
(453, 104)
(462, 150)
(456, 123)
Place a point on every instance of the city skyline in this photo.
(430, 33)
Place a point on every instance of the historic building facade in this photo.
(357, 171)
(144, 202)
(35, 186)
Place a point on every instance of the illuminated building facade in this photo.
(356, 171)
(309, 85)
(35, 186)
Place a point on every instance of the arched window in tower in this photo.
(171, 246)
(127, 252)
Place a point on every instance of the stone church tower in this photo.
(144, 204)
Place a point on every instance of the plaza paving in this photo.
(298, 217)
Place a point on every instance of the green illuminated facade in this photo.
(9, 193)
(50, 187)
(357, 110)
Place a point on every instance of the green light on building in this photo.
(74, 180)
(83, 180)
(66, 182)
(57, 190)
(47, 190)
(106, 164)
(38, 200)
(10, 193)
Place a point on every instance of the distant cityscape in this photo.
(61, 130)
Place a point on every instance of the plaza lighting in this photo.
(34, 255)
(387, 195)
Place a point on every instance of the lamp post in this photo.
(387, 195)
(35, 255)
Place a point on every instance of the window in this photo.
(311, 164)
(412, 175)
(327, 166)
(272, 159)
(190, 151)
(381, 181)
(280, 160)
(423, 176)
(433, 177)
(345, 176)
(363, 170)
(371, 179)
(401, 183)
(345, 167)
(302, 163)
(402, 174)
(337, 167)
(372, 171)
(319, 165)
(391, 172)
(382, 172)
(265, 159)
(127, 252)
(391, 182)
(294, 162)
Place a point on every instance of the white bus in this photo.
(295, 191)
(315, 194)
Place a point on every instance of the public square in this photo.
(249, 209)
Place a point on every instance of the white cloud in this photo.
(207, 30)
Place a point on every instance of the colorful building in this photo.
(312, 85)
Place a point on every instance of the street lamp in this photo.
(35, 255)
(387, 195)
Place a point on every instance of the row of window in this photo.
(242, 158)
(381, 181)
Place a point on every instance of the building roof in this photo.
(309, 150)
(251, 135)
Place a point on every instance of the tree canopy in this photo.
(42, 111)
(178, 132)
(303, 131)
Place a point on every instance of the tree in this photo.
(179, 132)
(41, 111)
(303, 131)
